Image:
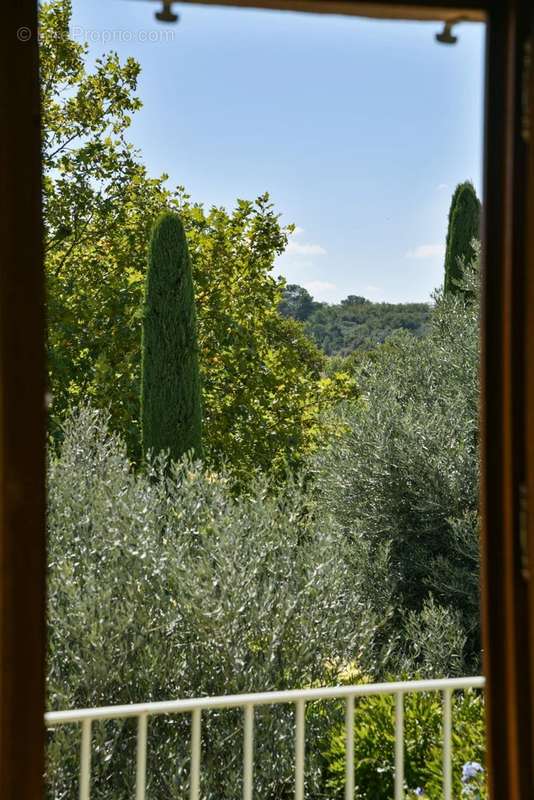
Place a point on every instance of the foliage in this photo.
(403, 484)
(435, 639)
(170, 390)
(297, 302)
(99, 205)
(166, 585)
(464, 228)
(261, 378)
(374, 742)
(355, 323)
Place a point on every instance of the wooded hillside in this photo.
(356, 323)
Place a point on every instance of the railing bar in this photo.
(140, 783)
(194, 781)
(248, 752)
(85, 761)
(447, 744)
(349, 748)
(299, 749)
(399, 746)
(263, 698)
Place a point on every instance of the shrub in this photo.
(374, 740)
(165, 585)
(402, 483)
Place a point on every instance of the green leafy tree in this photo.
(99, 205)
(354, 324)
(170, 390)
(262, 386)
(354, 300)
(166, 588)
(297, 302)
(402, 482)
(464, 228)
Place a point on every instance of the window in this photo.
(508, 401)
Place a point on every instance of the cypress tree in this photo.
(171, 415)
(464, 226)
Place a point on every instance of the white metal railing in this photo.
(297, 697)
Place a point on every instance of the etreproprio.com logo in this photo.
(106, 35)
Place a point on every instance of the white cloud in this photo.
(426, 251)
(321, 290)
(298, 249)
(303, 248)
(442, 186)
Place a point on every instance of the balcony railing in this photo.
(248, 702)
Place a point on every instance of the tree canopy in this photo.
(354, 324)
(262, 383)
(402, 481)
(171, 407)
(297, 302)
(463, 231)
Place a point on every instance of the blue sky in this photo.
(358, 129)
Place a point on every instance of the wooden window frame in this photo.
(507, 408)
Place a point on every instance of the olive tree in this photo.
(402, 479)
(165, 585)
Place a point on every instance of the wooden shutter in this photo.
(507, 413)
(22, 416)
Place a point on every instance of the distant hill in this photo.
(355, 324)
